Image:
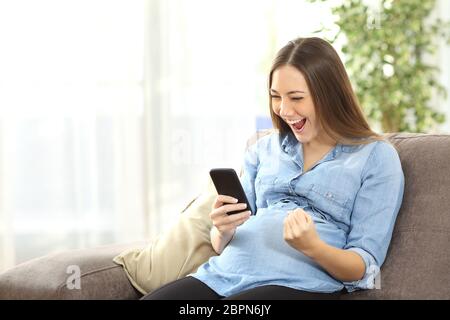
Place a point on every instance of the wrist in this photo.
(219, 240)
(315, 249)
(222, 235)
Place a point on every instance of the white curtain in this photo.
(6, 236)
(71, 125)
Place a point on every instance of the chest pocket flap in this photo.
(328, 201)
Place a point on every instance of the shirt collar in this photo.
(290, 142)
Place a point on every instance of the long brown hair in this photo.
(336, 105)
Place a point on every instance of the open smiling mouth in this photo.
(299, 126)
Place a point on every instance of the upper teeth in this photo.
(294, 121)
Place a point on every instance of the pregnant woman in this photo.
(326, 190)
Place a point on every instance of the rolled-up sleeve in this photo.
(248, 174)
(375, 211)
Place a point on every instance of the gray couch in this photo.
(417, 265)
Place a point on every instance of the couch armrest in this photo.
(47, 277)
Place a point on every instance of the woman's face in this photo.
(292, 102)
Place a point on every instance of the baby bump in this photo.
(265, 231)
(262, 230)
(260, 241)
(257, 242)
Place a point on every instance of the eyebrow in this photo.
(295, 91)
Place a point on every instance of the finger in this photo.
(226, 199)
(234, 207)
(297, 220)
(221, 199)
(308, 218)
(232, 225)
(300, 218)
(218, 213)
(295, 226)
(241, 221)
(224, 209)
(217, 204)
(231, 219)
(287, 229)
(234, 218)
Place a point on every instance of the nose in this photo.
(286, 111)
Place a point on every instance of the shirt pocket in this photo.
(331, 202)
(265, 185)
(268, 189)
(266, 179)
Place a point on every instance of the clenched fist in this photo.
(300, 232)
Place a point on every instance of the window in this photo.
(71, 125)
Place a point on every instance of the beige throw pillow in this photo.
(175, 253)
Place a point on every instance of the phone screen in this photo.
(227, 183)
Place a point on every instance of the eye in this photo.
(274, 97)
(297, 98)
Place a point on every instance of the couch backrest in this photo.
(417, 265)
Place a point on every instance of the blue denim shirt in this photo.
(353, 194)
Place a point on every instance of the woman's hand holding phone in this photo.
(224, 222)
